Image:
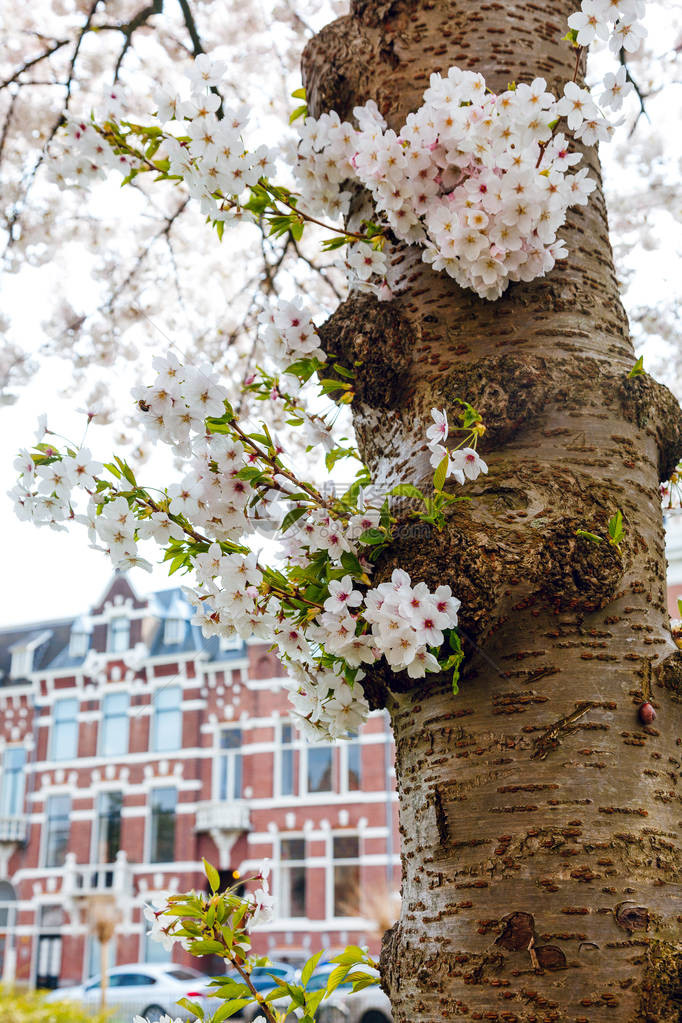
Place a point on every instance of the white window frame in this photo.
(295, 748)
(79, 643)
(344, 763)
(154, 721)
(173, 631)
(150, 822)
(112, 642)
(45, 829)
(345, 861)
(102, 723)
(53, 729)
(304, 751)
(283, 866)
(22, 662)
(228, 643)
(229, 755)
(22, 787)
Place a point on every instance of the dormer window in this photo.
(118, 638)
(22, 662)
(173, 631)
(231, 643)
(79, 643)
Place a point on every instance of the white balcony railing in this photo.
(13, 829)
(84, 879)
(216, 816)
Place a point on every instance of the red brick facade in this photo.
(131, 748)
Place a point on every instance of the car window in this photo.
(135, 979)
(93, 987)
(185, 974)
(116, 980)
(319, 981)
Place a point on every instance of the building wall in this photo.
(234, 689)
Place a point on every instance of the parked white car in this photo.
(145, 989)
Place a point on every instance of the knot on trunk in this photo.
(652, 406)
(508, 390)
(578, 573)
(334, 75)
(373, 337)
(669, 675)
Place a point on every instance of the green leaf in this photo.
(229, 1009)
(337, 976)
(351, 954)
(301, 111)
(441, 474)
(206, 947)
(212, 875)
(373, 536)
(298, 93)
(329, 244)
(343, 372)
(638, 369)
(292, 516)
(616, 529)
(313, 999)
(571, 37)
(407, 490)
(192, 1007)
(307, 971)
(584, 535)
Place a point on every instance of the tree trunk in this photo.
(539, 817)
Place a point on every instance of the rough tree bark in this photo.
(539, 818)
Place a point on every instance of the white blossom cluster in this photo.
(233, 488)
(405, 622)
(289, 334)
(202, 144)
(463, 463)
(618, 21)
(479, 180)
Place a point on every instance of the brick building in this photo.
(130, 748)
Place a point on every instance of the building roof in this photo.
(52, 639)
(46, 638)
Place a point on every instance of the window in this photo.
(352, 750)
(166, 719)
(320, 768)
(288, 765)
(231, 642)
(65, 729)
(108, 827)
(57, 830)
(113, 735)
(94, 961)
(230, 765)
(154, 951)
(12, 791)
(163, 803)
(118, 638)
(346, 852)
(22, 662)
(292, 877)
(173, 631)
(79, 643)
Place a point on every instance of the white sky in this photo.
(46, 574)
